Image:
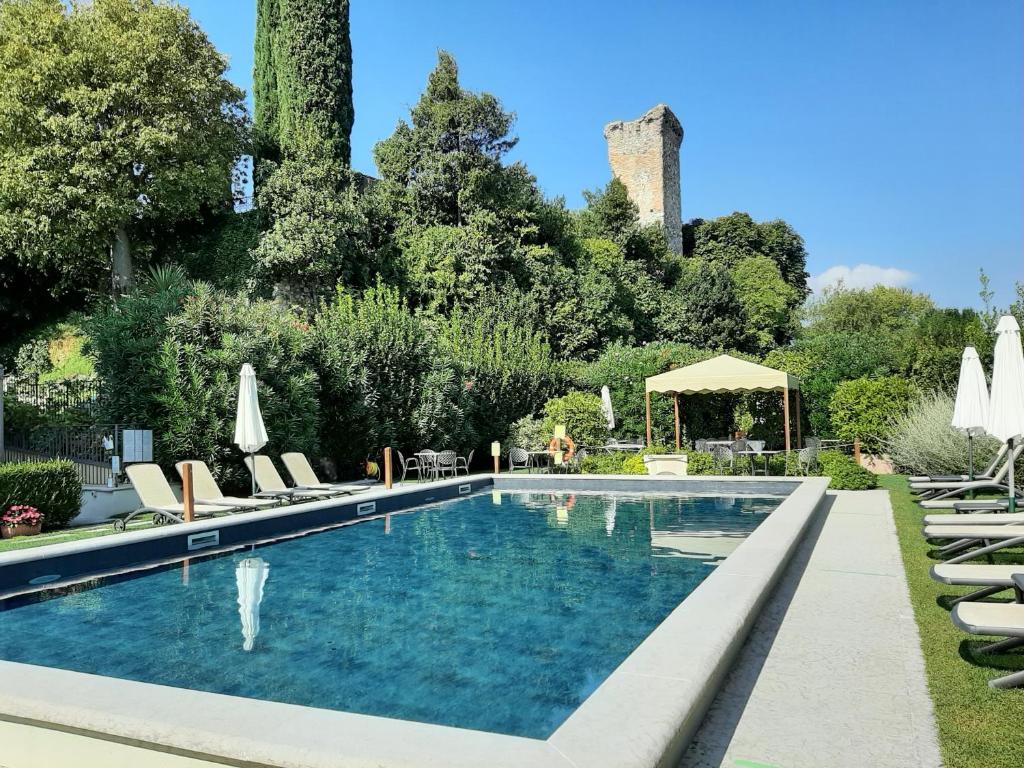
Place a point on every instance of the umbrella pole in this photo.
(970, 457)
(252, 472)
(1013, 488)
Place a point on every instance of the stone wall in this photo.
(644, 155)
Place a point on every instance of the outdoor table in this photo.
(767, 455)
(536, 455)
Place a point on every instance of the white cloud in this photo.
(860, 276)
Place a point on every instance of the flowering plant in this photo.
(21, 514)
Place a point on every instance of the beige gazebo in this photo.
(724, 374)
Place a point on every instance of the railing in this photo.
(89, 447)
(73, 399)
(89, 472)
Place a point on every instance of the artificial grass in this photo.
(69, 534)
(979, 727)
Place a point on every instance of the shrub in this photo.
(52, 487)
(866, 408)
(845, 474)
(699, 463)
(613, 463)
(633, 464)
(528, 433)
(922, 441)
(581, 414)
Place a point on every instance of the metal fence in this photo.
(74, 400)
(89, 472)
(89, 447)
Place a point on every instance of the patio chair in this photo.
(428, 460)
(518, 458)
(943, 495)
(303, 476)
(206, 490)
(576, 461)
(723, 456)
(446, 463)
(700, 446)
(157, 497)
(270, 483)
(992, 579)
(812, 442)
(987, 539)
(1000, 619)
(985, 474)
(409, 464)
(464, 462)
(806, 459)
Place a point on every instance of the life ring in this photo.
(555, 445)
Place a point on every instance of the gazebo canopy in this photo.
(722, 374)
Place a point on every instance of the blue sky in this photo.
(890, 134)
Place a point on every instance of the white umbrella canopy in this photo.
(1006, 404)
(606, 406)
(970, 412)
(250, 434)
(250, 576)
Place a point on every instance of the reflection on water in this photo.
(495, 612)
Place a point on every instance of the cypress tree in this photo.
(303, 76)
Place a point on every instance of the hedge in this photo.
(846, 474)
(52, 487)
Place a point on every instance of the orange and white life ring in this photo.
(555, 445)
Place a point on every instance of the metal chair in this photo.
(407, 464)
(723, 455)
(518, 458)
(806, 459)
(445, 463)
(700, 446)
(463, 462)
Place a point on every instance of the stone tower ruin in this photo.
(644, 155)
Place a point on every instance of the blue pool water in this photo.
(498, 617)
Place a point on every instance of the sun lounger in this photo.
(206, 490)
(944, 495)
(271, 484)
(157, 497)
(995, 518)
(985, 474)
(303, 476)
(997, 619)
(988, 539)
(992, 579)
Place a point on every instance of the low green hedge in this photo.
(52, 487)
(846, 474)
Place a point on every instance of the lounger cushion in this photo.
(996, 518)
(970, 575)
(973, 531)
(1000, 619)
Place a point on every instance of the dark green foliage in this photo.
(217, 250)
(845, 473)
(580, 413)
(704, 310)
(52, 487)
(610, 463)
(202, 351)
(302, 78)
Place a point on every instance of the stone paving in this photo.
(832, 674)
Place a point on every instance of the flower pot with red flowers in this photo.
(20, 520)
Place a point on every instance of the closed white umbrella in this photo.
(250, 434)
(970, 413)
(1006, 405)
(606, 407)
(250, 576)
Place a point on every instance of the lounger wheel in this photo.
(119, 525)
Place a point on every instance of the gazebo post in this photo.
(647, 396)
(785, 415)
(675, 400)
(796, 396)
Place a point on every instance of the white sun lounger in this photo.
(271, 484)
(995, 518)
(157, 497)
(992, 579)
(998, 619)
(206, 490)
(988, 539)
(303, 476)
(986, 474)
(945, 495)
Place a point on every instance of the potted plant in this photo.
(21, 520)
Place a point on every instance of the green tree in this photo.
(302, 77)
(704, 310)
(117, 117)
(580, 413)
(767, 301)
(866, 409)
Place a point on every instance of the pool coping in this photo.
(643, 714)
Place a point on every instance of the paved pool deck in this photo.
(832, 674)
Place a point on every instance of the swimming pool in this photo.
(502, 611)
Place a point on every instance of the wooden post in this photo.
(675, 401)
(387, 468)
(799, 440)
(856, 451)
(785, 415)
(496, 455)
(188, 498)
(647, 396)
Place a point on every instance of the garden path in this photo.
(832, 674)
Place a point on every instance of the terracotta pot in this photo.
(10, 531)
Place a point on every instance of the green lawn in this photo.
(69, 534)
(978, 727)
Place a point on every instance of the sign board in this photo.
(137, 445)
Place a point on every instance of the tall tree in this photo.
(115, 117)
(302, 78)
